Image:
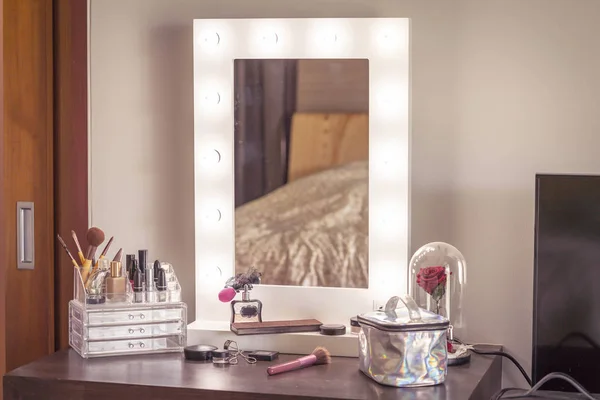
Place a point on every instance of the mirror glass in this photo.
(301, 170)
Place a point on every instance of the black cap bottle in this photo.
(157, 268)
(161, 285)
(128, 265)
(134, 267)
(138, 287)
(143, 259)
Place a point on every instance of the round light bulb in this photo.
(212, 97)
(270, 38)
(210, 39)
(388, 40)
(212, 215)
(211, 157)
(330, 39)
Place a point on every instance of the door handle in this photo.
(25, 230)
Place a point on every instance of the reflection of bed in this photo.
(311, 232)
(314, 230)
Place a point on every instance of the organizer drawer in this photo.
(93, 333)
(138, 316)
(113, 347)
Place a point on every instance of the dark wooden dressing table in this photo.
(65, 375)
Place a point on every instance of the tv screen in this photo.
(566, 309)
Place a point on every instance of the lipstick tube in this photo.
(150, 291)
(138, 287)
(161, 286)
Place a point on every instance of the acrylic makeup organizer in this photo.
(109, 324)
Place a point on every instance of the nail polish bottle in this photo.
(246, 310)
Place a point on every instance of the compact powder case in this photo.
(333, 330)
(199, 352)
(263, 355)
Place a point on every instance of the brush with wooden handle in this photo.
(79, 251)
(103, 254)
(64, 245)
(95, 237)
(118, 256)
(320, 355)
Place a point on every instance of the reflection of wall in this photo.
(500, 91)
(333, 86)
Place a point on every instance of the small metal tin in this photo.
(220, 357)
(354, 325)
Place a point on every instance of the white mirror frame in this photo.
(217, 43)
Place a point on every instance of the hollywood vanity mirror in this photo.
(301, 132)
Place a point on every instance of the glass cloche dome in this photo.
(437, 280)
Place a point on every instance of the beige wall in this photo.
(501, 90)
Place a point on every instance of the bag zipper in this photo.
(407, 327)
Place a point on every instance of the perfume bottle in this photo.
(246, 310)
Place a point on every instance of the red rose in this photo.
(429, 278)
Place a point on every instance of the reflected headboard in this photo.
(320, 141)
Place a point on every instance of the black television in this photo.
(566, 308)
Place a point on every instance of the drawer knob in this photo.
(131, 345)
(131, 330)
(131, 316)
(142, 330)
(142, 345)
(142, 316)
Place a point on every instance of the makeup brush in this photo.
(64, 245)
(79, 251)
(320, 355)
(118, 256)
(95, 237)
(103, 254)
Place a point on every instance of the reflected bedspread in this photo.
(310, 232)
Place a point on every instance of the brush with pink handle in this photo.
(320, 355)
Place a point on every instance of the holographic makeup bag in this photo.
(404, 346)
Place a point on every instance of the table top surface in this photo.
(339, 380)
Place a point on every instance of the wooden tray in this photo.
(270, 327)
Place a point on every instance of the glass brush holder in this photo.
(437, 281)
(108, 317)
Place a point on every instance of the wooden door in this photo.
(26, 163)
(71, 146)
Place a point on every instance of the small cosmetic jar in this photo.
(199, 352)
(220, 357)
(333, 330)
(354, 325)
